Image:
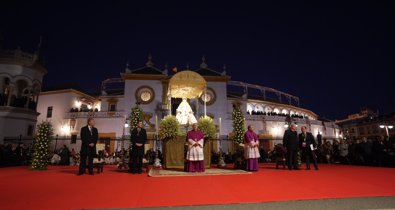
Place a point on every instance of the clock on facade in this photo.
(209, 97)
(145, 94)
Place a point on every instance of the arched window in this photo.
(5, 85)
(259, 108)
(250, 107)
(21, 85)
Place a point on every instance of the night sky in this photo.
(337, 57)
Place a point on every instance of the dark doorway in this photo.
(175, 102)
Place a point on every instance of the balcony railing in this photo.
(102, 114)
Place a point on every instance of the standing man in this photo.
(290, 141)
(138, 138)
(319, 139)
(251, 149)
(195, 156)
(89, 136)
(307, 145)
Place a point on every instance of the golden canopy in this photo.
(186, 84)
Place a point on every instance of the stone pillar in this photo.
(28, 97)
(2, 85)
(10, 90)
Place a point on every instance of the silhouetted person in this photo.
(65, 156)
(290, 141)
(319, 139)
(138, 137)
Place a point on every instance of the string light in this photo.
(238, 125)
(41, 146)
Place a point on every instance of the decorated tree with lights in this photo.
(135, 116)
(238, 130)
(238, 124)
(41, 154)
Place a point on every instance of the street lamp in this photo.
(386, 128)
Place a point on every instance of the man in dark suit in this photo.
(307, 145)
(89, 136)
(138, 138)
(319, 139)
(290, 141)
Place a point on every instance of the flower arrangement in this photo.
(169, 127)
(207, 126)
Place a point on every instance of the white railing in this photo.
(116, 114)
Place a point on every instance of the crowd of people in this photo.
(18, 101)
(276, 114)
(379, 151)
(15, 154)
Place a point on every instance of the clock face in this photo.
(209, 97)
(145, 96)
(206, 97)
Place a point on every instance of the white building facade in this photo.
(148, 86)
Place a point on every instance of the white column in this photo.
(10, 90)
(169, 105)
(197, 108)
(205, 96)
(220, 126)
(386, 130)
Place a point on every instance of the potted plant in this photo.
(169, 128)
(173, 145)
(207, 126)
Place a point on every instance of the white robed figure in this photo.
(195, 156)
(185, 114)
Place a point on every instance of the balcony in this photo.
(101, 114)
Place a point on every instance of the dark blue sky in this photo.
(337, 57)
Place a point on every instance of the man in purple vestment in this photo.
(195, 157)
(251, 149)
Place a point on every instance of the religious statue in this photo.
(185, 114)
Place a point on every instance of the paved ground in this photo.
(368, 203)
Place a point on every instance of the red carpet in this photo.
(60, 188)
